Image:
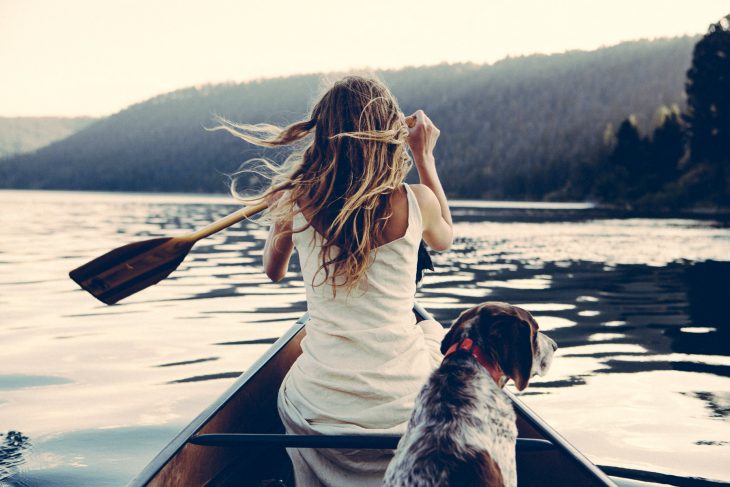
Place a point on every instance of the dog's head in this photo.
(508, 336)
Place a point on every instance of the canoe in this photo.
(238, 440)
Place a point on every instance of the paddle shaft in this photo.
(226, 222)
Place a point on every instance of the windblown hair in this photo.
(354, 158)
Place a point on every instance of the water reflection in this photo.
(637, 306)
(13, 445)
(188, 362)
(201, 378)
(658, 308)
(259, 341)
(21, 381)
(718, 404)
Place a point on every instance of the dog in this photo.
(462, 431)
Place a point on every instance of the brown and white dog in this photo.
(462, 431)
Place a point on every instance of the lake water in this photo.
(90, 393)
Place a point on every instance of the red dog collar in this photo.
(467, 345)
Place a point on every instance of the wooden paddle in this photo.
(131, 268)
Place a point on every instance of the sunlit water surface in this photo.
(90, 393)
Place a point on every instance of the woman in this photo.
(342, 202)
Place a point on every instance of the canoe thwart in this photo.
(385, 442)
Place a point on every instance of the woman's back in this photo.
(363, 355)
(389, 283)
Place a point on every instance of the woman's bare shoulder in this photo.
(427, 200)
(437, 232)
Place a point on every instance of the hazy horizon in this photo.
(101, 58)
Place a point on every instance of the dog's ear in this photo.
(448, 339)
(522, 351)
(460, 328)
(511, 331)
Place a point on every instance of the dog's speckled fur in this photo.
(462, 431)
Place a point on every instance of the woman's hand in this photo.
(422, 136)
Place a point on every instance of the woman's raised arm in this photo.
(438, 228)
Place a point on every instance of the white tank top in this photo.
(364, 358)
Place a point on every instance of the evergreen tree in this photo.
(708, 113)
(621, 176)
(666, 150)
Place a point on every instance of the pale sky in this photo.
(95, 57)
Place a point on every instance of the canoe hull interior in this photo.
(249, 406)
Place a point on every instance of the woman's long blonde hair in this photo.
(353, 159)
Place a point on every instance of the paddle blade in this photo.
(131, 268)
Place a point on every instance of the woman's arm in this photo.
(438, 228)
(279, 246)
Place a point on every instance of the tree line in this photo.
(685, 160)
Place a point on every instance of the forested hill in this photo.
(514, 129)
(25, 134)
